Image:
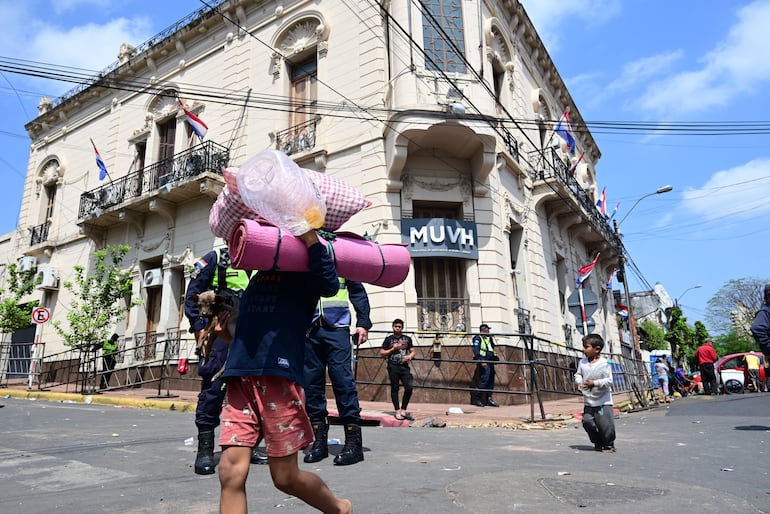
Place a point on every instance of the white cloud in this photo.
(644, 69)
(737, 65)
(741, 192)
(548, 15)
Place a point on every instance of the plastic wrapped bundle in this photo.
(272, 184)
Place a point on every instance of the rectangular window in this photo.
(440, 281)
(443, 35)
(303, 92)
(50, 194)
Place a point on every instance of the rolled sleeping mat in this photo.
(259, 246)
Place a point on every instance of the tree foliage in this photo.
(15, 315)
(734, 305)
(735, 341)
(680, 336)
(96, 306)
(654, 335)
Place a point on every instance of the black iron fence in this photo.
(297, 138)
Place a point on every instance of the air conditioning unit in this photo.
(153, 277)
(27, 263)
(47, 278)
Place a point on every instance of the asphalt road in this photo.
(703, 454)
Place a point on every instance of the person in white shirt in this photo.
(594, 379)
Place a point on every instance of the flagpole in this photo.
(583, 310)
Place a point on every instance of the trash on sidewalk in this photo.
(334, 441)
(189, 441)
(88, 400)
(454, 410)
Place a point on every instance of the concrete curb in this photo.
(138, 403)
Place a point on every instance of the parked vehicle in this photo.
(732, 375)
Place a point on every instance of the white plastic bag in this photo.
(272, 184)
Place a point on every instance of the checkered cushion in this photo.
(342, 202)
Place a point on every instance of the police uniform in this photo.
(212, 272)
(484, 350)
(328, 346)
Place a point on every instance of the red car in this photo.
(732, 375)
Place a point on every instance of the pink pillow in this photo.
(342, 202)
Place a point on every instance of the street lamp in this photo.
(660, 190)
(630, 323)
(676, 302)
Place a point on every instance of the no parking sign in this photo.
(40, 315)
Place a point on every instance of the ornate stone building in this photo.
(443, 116)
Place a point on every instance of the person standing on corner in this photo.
(484, 352)
(760, 329)
(327, 346)
(706, 356)
(212, 272)
(399, 350)
(109, 348)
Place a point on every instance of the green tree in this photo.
(96, 305)
(735, 304)
(735, 341)
(15, 315)
(654, 335)
(680, 336)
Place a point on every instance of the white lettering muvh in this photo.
(437, 237)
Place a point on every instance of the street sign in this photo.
(590, 324)
(590, 301)
(40, 315)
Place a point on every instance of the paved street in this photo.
(703, 454)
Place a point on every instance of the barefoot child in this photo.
(264, 370)
(594, 379)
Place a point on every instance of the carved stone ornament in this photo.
(306, 33)
(50, 174)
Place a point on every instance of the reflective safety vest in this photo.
(109, 346)
(225, 276)
(486, 348)
(335, 310)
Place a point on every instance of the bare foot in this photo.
(345, 507)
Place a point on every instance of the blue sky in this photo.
(652, 61)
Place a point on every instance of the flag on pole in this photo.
(601, 204)
(564, 131)
(585, 271)
(574, 166)
(609, 282)
(621, 310)
(100, 163)
(615, 210)
(195, 122)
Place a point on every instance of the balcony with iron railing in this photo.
(442, 314)
(550, 168)
(39, 234)
(136, 189)
(298, 138)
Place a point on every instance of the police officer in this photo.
(328, 346)
(484, 352)
(212, 272)
(109, 348)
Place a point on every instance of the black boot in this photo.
(353, 450)
(258, 456)
(204, 461)
(477, 400)
(319, 449)
(490, 402)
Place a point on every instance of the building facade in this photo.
(441, 112)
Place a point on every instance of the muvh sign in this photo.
(440, 237)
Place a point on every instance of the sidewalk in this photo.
(558, 413)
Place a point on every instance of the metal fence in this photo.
(531, 369)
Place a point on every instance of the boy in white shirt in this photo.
(594, 379)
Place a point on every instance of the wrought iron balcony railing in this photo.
(551, 167)
(442, 314)
(297, 138)
(39, 233)
(206, 157)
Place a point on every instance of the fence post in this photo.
(163, 365)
